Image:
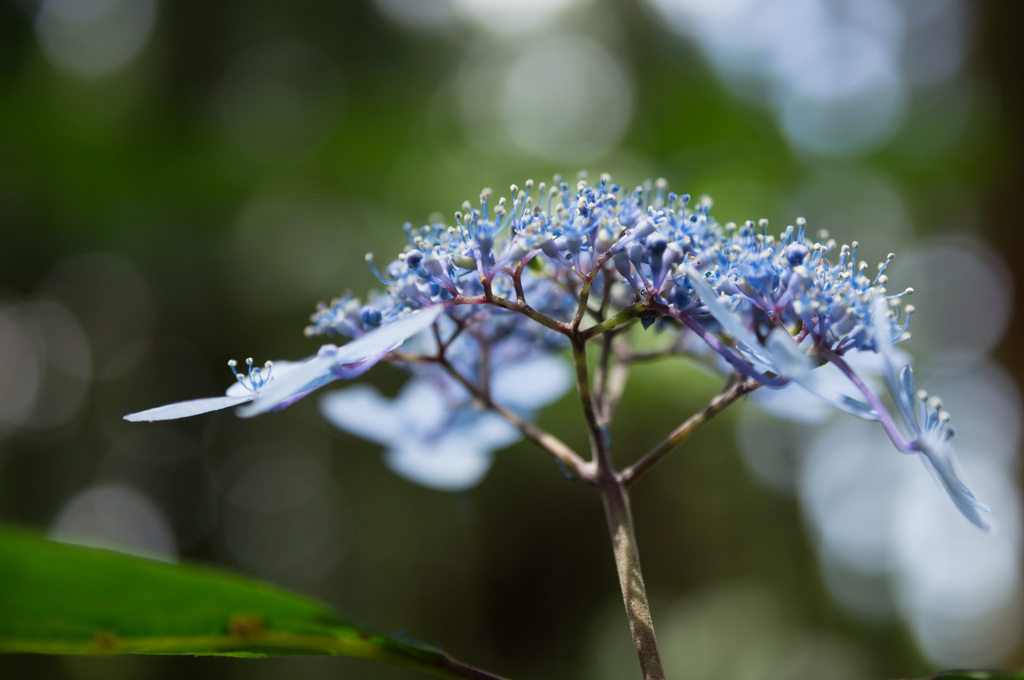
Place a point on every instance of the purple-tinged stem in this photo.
(884, 417)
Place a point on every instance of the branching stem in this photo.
(631, 580)
(620, 525)
(545, 440)
(731, 393)
(623, 317)
(884, 417)
(598, 399)
(519, 306)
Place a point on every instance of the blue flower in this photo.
(503, 284)
(348, 361)
(245, 389)
(779, 354)
(427, 443)
(283, 382)
(927, 423)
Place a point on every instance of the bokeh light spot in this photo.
(280, 102)
(566, 99)
(89, 38)
(118, 517)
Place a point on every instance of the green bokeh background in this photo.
(176, 246)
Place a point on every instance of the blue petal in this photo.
(388, 336)
(905, 394)
(430, 445)
(794, 403)
(328, 366)
(880, 325)
(457, 460)
(939, 457)
(490, 431)
(360, 410)
(424, 408)
(531, 384)
(279, 369)
(238, 393)
(184, 409)
(793, 364)
(724, 317)
(446, 464)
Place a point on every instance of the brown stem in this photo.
(613, 393)
(631, 580)
(601, 378)
(620, 526)
(624, 316)
(519, 306)
(517, 283)
(598, 440)
(732, 392)
(545, 440)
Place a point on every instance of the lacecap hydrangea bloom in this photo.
(512, 282)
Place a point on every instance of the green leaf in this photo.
(978, 675)
(63, 599)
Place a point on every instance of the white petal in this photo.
(184, 409)
(360, 410)
(883, 345)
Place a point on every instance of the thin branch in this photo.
(606, 297)
(582, 308)
(441, 344)
(601, 376)
(624, 316)
(884, 417)
(517, 283)
(598, 440)
(616, 387)
(620, 527)
(561, 451)
(631, 580)
(517, 306)
(614, 496)
(732, 392)
(485, 369)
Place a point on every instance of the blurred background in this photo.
(181, 182)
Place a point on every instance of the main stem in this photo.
(620, 525)
(631, 580)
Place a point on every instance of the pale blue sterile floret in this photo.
(434, 432)
(928, 426)
(774, 307)
(245, 389)
(333, 363)
(286, 382)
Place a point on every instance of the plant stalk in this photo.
(620, 526)
(631, 580)
(731, 393)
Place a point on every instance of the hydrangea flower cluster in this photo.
(513, 282)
